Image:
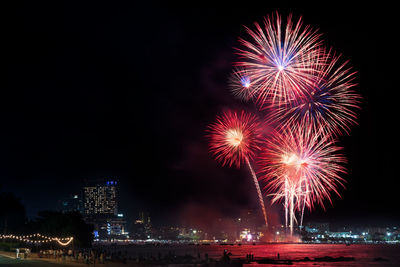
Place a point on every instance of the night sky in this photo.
(93, 90)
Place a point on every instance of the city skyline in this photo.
(245, 227)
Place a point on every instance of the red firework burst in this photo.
(280, 61)
(302, 164)
(330, 103)
(234, 137)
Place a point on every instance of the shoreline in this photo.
(188, 260)
(215, 255)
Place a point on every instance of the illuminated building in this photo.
(100, 198)
(316, 227)
(111, 228)
(142, 226)
(101, 209)
(143, 218)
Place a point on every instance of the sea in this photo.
(363, 254)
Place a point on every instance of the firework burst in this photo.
(310, 101)
(241, 85)
(303, 160)
(330, 103)
(234, 139)
(280, 61)
(301, 168)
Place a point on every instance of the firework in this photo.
(234, 139)
(310, 100)
(302, 168)
(330, 103)
(241, 85)
(280, 60)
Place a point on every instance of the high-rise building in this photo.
(71, 203)
(142, 226)
(144, 218)
(100, 198)
(100, 204)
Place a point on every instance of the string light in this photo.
(63, 241)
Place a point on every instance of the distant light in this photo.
(277, 233)
(388, 234)
(249, 237)
(120, 215)
(194, 231)
(75, 196)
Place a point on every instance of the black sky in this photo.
(126, 90)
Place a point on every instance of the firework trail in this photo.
(234, 139)
(280, 61)
(260, 197)
(302, 168)
(329, 105)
